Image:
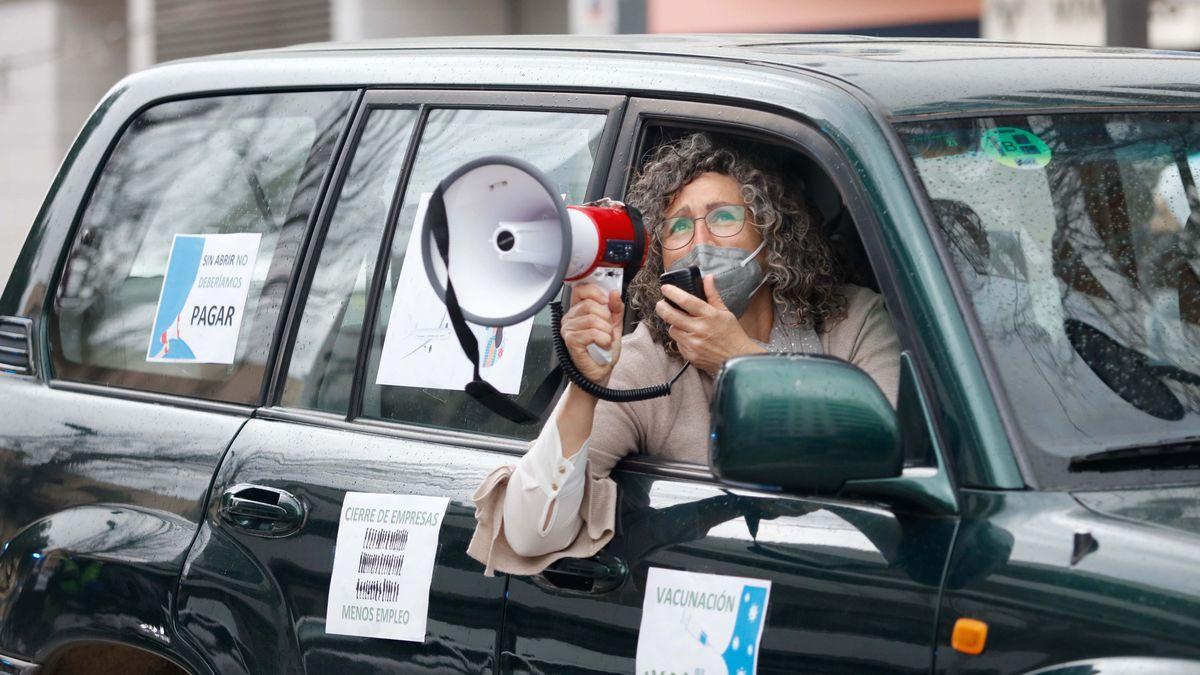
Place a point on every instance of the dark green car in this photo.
(1029, 214)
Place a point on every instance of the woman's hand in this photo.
(707, 332)
(596, 317)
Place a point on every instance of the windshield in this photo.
(1076, 239)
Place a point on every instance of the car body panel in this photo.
(100, 499)
(1175, 507)
(1135, 591)
(1123, 665)
(854, 586)
(906, 77)
(257, 605)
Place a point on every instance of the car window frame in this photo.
(309, 258)
(424, 101)
(790, 130)
(80, 207)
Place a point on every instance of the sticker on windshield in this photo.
(1015, 148)
(383, 565)
(203, 296)
(701, 623)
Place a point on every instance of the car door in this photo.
(853, 584)
(256, 594)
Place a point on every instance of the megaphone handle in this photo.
(608, 278)
(602, 357)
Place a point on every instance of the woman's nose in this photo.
(702, 235)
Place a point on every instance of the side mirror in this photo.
(801, 422)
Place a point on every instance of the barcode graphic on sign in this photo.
(389, 539)
(380, 563)
(385, 590)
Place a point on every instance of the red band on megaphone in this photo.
(618, 246)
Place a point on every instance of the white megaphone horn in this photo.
(513, 242)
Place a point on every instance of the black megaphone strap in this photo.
(478, 388)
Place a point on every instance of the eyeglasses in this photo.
(723, 221)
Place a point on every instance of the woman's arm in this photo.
(574, 421)
(543, 496)
(541, 501)
(523, 522)
(596, 317)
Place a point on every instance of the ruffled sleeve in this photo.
(490, 546)
(556, 507)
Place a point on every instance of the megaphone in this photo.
(515, 242)
(499, 243)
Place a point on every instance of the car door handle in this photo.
(261, 510)
(599, 574)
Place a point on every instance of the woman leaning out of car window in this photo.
(771, 285)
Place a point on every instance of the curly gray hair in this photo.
(801, 270)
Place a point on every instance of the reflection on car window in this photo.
(321, 371)
(563, 145)
(249, 165)
(1076, 238)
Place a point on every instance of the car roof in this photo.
(906, 77)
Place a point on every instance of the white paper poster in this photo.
(383, 565)
(203, 297)
(420, 348)
(701, 623)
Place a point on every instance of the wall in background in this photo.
(57, 59)
(802, 16)
(1173, 24)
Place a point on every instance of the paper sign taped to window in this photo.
(203, 298)
(701, 623)
(420, 348)
(383, 565)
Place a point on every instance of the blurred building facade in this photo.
(890, 18)
(1172, 24)
(57, 58)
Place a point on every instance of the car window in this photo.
(415, 370)
(1074, 238)
(321, 371)
(186, 246)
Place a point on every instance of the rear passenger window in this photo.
(218, 191)
(564, 146)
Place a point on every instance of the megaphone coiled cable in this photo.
(601, 392)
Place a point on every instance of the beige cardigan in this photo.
(675, 427)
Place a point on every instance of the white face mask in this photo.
(736, 279)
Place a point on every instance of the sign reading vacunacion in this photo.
(695, 623)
